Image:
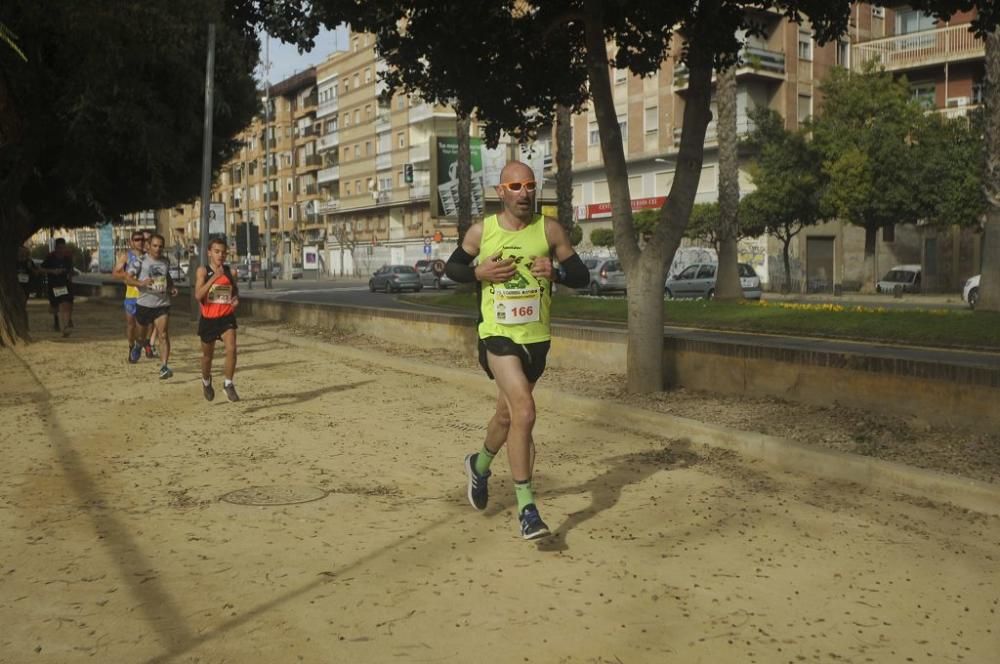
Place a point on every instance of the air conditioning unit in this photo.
(878, 12)
(955, 102)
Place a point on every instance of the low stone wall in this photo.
(960, 395)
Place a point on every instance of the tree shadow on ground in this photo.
(606, 489)
(292, 398)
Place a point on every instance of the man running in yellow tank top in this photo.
(515, 276)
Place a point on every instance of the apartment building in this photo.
(781, 69)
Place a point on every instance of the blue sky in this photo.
(286, 59)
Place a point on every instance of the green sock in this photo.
(524, 495)
(483, 461)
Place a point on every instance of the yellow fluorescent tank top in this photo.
(519, 308)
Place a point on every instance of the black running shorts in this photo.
(146, 315)
(211, 329)
(532, 355)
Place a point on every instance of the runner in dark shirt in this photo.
(58, 266)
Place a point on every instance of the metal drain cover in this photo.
(274, 495)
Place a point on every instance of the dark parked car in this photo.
(390, 278)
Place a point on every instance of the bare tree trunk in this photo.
(727, 281)
(13, 314)
(564, 166)
(871, 240)
(989, 283)
(646, 269)
(785, 255)
(464, 177)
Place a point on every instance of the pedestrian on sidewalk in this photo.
(151, 276)
(514, 285)
(218, 295)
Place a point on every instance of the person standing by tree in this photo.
(129, 262)
(215, 288)
(515, 292)
(152, 278)
(58, 265)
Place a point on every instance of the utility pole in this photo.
(206, 158)
(267, 159)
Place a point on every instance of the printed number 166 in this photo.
(523, 311)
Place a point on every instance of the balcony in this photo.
(421, 112)
(329, 206)
(328, 174)
(271, 196)
(919, 49)
(420, 152)
(310, 130)
(310, 190)
(383, 122)
(383, 161)
(310, 218)
(327, 106)
(754, 61)
(311, 161)
(235, 202)
(328, 141)
(420, 191)
(744, 126)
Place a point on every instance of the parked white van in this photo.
(905, 276)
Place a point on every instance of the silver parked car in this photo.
(606, 275)
(432, 275)
(389, 278)
(698, 280)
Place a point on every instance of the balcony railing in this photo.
(310, 130)
(327, 106)
(420, 152)
(753, 59)
(919, 49)
(744, 126)
(328, 141)
(310, 190)
(328, 174)
(312, 160)
(271, 196)
(329, 205)
(383, 161)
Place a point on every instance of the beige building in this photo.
(782, 70)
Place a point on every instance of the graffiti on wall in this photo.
(753, 251)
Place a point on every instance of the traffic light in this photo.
(408, 173)
(241, 239)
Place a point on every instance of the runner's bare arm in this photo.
(119, 270)
(576, 273)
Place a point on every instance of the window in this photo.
(623, 126)
(368, 148)
(401, 139)
(357, 150)
(401, 179)
(706, 272)
(593, 134)
(331, 125)
(805, 46)
(288, 185)
(368, 112)
(385, 183)
(652, 120)
(805, 107)
(621, 75)
(924, 93)
(357, 80)
(357, 116)
(355, 43)
(913, 20)
(843, 53)
(289, 213)
(368, 75)
(347, 188)
(357, 186)
(347, 153)
(347, 119)
(400, 102)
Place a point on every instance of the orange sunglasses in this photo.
(530, 185)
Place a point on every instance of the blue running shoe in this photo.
(479, 490)
(134, 354)
(532, 526)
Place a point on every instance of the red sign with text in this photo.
(596, 210)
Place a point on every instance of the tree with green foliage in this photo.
(104, 114)
(952, 156)
(556, 52)
(787, 173)
(575, 234)
(706, 224)
(602, 237)
(866, 136)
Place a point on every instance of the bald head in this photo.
(516, 171)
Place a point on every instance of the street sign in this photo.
(427, 250)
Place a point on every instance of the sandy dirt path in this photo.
(117, 547)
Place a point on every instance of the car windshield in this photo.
(899, 276)
(746, 271)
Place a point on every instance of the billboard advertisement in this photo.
(216, 219)
(485, 164)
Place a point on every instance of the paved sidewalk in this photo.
(119, 548)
